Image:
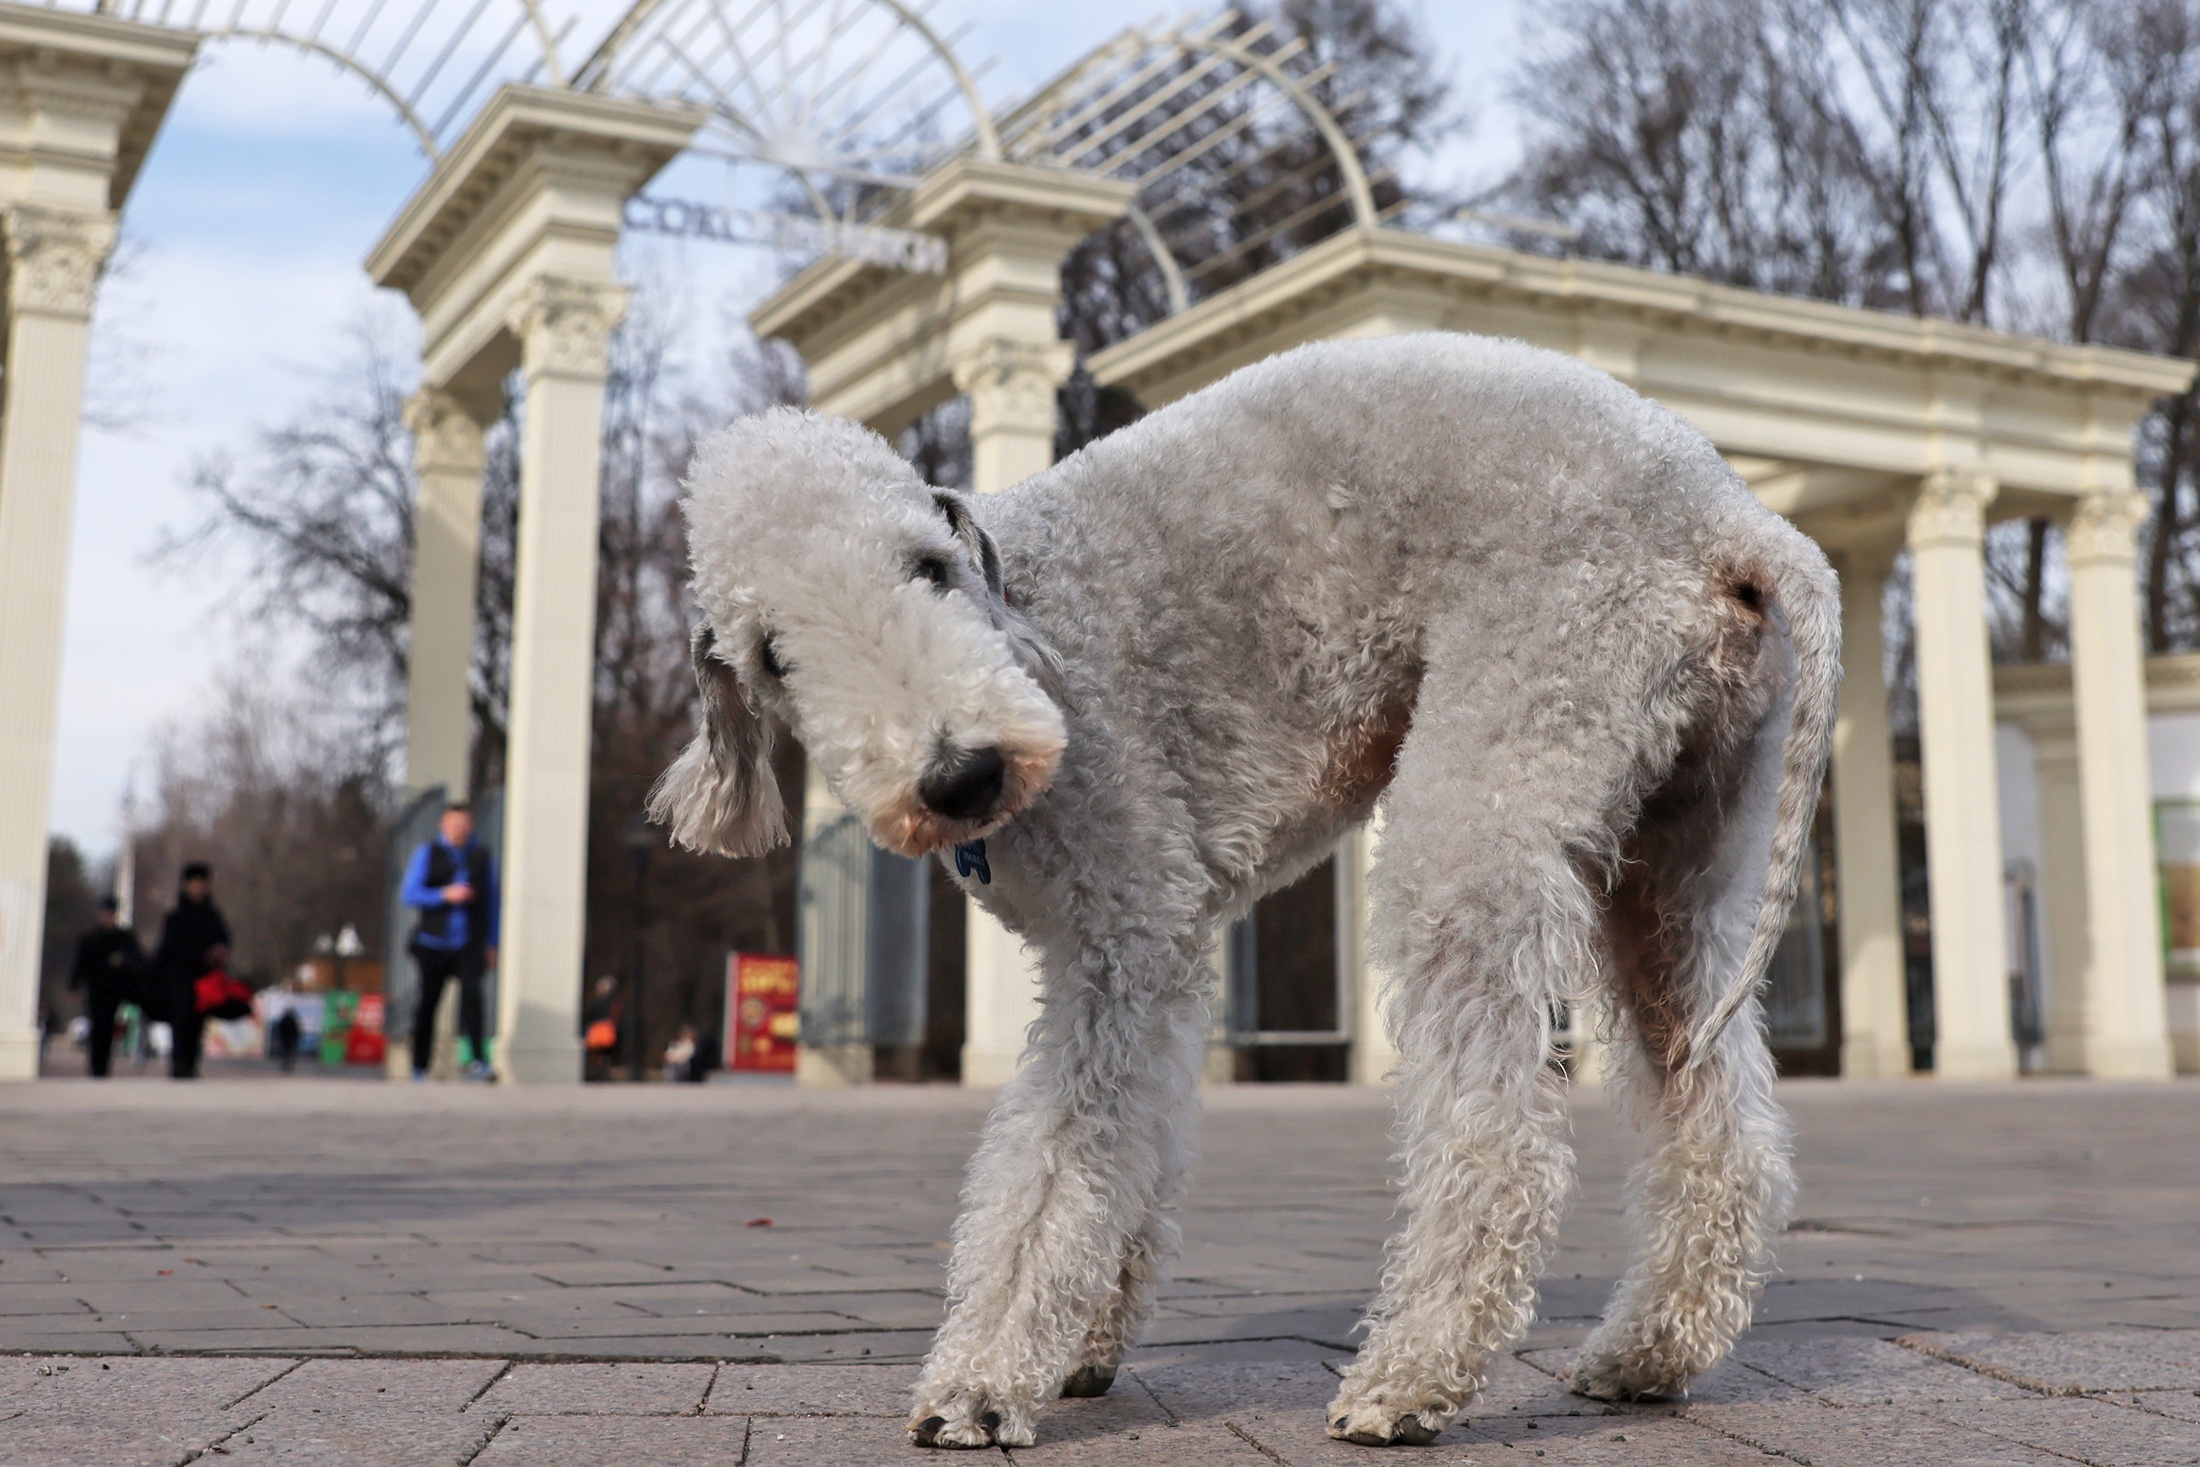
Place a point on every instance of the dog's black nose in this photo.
(967, 788)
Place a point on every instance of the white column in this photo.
(1874, 1012)
(2062, 887)
(447, 448)
(1011, 385)
(2126, 1030)
(1947, 531)
(1373, 1056)
(564, 328)
(54, 260)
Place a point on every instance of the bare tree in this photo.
(286, 798)
(1247, 195)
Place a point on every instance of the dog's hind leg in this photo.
(1707, 1202)
(1065, 1228)
(1486, 915)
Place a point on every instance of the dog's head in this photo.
(864, 607)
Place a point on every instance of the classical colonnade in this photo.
(80, 100)
(1875, 433)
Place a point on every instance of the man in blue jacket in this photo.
(453, 884)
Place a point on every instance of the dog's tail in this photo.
(1787, 757)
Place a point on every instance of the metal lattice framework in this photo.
(858, 91)
(1224, 129)
(430, 62)
(1230, 131)
(850, 92)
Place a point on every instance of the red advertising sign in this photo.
(763, 1012)
(366, 1044)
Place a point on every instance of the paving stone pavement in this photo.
(342, 1272)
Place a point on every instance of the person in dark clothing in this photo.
(452, 883)
(109, 967)
(283, 1039)
(194, 941)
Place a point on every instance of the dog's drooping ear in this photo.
(1032, 650)
(720, 795)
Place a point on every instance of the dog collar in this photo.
(970, 861)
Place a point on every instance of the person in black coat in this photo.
(194, 940)
(110, 968)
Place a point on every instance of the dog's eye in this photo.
(767, 653)
(932, 568)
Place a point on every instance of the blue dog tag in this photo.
(970, 861)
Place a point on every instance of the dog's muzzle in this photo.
(966, 786)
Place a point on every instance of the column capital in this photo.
(54, 258)
(446, 433)
(2103, 529)
(1011, 384)
(1951, 507)
(564, 326)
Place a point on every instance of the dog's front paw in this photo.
(1088, 1380)
(1375, 1424)
(1628, 1375)
(970, 1421)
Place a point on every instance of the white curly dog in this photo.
(1531, 615)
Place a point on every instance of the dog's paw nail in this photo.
(926, 1432)
(1088, 1380)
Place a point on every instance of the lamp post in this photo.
(639, 839)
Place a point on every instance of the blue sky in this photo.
(240, 280)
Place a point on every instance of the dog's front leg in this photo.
(1063, 1233)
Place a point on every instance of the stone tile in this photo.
(457, 1339)
(1864, 1436)
(2177, 1405)
(812, 1390)
(1211, 1394)
(343, 1310)
(438, 1386)
(337, 1435)
(2092, 1430)
(587, 1389)
(1867, 1372)
(606, 1441)
(46, 1439)
(18, 1300)
(1239, 1352)
(2101, 1360)
(121, 1412)
(1145, 1446)
(132, 1384)
(1634, 1441)
(796, 1441)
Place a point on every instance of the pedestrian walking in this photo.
(452, 883)
(600, 1029)
(194, 941)
(110, 968)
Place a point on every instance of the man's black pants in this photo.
(437, 968)
(100, 1002)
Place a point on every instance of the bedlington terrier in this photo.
(1529, 615)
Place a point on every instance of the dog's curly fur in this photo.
(1589, 676)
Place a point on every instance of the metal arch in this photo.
(595, 73)
(1172, 274)
(548, 41)
(421, 56)
(1051, 124)
(1364, 212)
(987, 143)
(367, 74)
